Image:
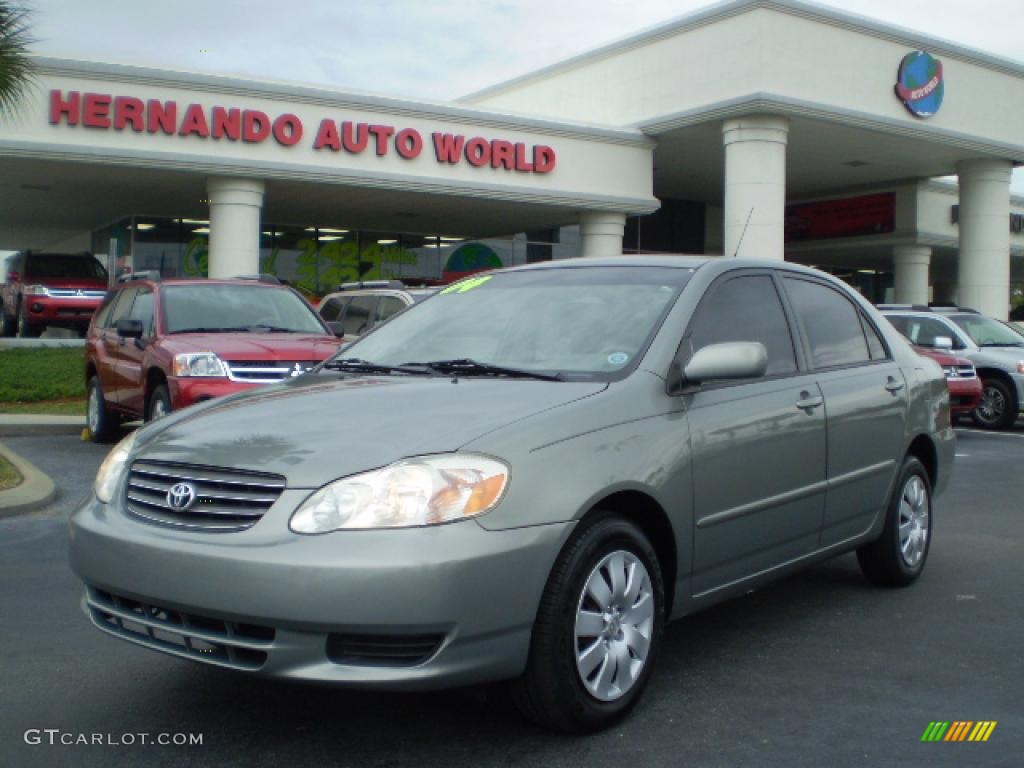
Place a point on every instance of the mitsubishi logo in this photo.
(181, 496)
(298, 370)
(79, 292)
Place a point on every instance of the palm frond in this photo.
(16, 68)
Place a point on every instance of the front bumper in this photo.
(186, 391)
(48, 310)
(273, 602)
(964, 394)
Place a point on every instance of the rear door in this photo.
(112, 372)
(758, 446)
(865, 404)
(132, 351)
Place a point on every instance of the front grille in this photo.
(382, 650)
(966, 372)
(224, 499)
(267, 371)
(229, 644)
(72, 293)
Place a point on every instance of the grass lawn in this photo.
(34, 375)
(67, 407)
(9, 476)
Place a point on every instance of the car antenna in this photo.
(744, 232)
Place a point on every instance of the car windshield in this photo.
(219, 307)
(579, 321)
(986, 332)
(49, 265)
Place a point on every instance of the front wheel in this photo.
(998, 406)
(897, 558)
(25, 329)
(159, 403)
(598, 629)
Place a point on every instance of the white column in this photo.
(984, 262)
(755, 186)
(910, 273)
(235, 206)
(601, 233)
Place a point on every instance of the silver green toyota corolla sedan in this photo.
(523, 478)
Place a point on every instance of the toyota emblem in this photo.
(181, 496)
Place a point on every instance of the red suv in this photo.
(156, 346)
(58, 289)
(965, 388)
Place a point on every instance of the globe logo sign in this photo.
(919, 84)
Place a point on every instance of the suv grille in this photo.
(266, 371)
(74, 293)
(223, 499)
(229, 644)
(965, 372)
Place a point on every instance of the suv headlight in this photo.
(112, 468)
(199, 364)
(1020, 366)
(427, 490)
(36, 290)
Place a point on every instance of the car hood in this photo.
(255, 346)
(320, 427)
(998, 357)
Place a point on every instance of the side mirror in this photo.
(129, 328)
(731, 360)
(337, 328)
(943, 342)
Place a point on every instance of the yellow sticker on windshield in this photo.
(467, 285)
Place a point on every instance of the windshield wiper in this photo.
(468, 367)
(365, 366)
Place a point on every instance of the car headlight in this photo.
(426, 490)
(1020, 366)
(112, 469)
(36, 290)
(199, 364)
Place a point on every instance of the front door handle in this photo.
(808, 402)
(893, 385)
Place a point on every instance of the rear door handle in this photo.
(808, 402)
(893, 385)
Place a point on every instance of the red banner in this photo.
(849, 217)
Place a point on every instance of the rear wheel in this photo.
(159, 403)
(897, 558)
(998, 406)
(101, 421)
(597, 631)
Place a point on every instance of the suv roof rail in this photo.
(371, 284)
(151, 274)
(910, 307)
(953, 308)
(262, 278)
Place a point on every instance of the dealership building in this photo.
(758, 128)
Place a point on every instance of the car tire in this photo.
(101, 422)
(8, 324)
(899, 555)
(25, 329)
(159, 403)
(574, 680)
(998, 408)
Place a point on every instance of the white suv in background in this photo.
(358, 307)
(995, 348)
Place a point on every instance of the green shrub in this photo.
(30, 375)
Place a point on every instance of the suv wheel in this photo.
(101, 421)
(897, 558)
(25, 329)
(159, 403)
(998, 407)
(597, 630)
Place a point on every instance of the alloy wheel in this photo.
(92, 411)
(992, 406)
(914, 521)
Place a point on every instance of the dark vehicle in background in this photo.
(961, 377)
(995, 348)
(50, 289)
(155, 347)
(523, 478)
(356, 308)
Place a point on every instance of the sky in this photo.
(427, 49)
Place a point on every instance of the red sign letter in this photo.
(382, 133)
(409, 143)
(96, 110)
(502, 154)
(129, 110)
(60, 107)
(478, 151)
(288, 129)
(255, 125)
(448, 148)
(543, 159)
(227, 122)
(194, 121)
(522, 164)
(327, 136)
(358, 144)
(162, 115)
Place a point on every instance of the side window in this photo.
(746, 309)
(104, 311)
(357, 317)
(142, 310)
(122, 306)
(388, 306)
(876, 347)
(832, 324)
(331, 309)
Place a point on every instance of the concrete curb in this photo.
(20, 425)
(36, 489)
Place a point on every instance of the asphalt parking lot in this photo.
(817, 669)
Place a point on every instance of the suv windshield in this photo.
(53, 265)
(587, 321)
(221, 307)
(986, 332)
